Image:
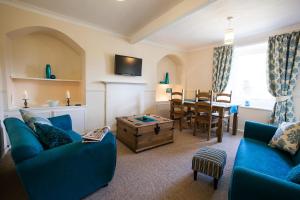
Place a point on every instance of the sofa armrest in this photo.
(259, 131)
(70, 171)
(248, 184)
(63, 121)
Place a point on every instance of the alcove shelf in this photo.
(42, 79)
(26, 62)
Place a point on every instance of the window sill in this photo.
(256, 108)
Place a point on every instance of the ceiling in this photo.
(120, 17)
(202, 27)
(207, 25)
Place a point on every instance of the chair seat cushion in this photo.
(258, 156)
(209, 161)
(226, 115)
(205, 118)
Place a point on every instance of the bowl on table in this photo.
(53, 103)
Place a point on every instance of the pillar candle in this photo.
(68, 94)
(25, 94)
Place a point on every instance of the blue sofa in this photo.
(70, 171)
(260, 171)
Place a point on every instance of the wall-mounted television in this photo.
(129, 66)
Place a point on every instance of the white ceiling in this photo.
(207, 25)
(120, 17)
(204, 27)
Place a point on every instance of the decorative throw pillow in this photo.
(294, 175)
(287, 137)
(30, 118)
(51, 136)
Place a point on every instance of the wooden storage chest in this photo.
(140, 133)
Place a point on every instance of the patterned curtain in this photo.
(283, 69)
(221, 67)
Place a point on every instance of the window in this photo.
(248, 78)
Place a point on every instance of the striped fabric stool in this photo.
(211, 162)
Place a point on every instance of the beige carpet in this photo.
(163, 173)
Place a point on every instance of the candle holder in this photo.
(25, 103)
(68, 101)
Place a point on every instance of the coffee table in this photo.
(142, 132)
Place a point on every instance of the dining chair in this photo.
(177, 108)
(203, 112)
(203, 96)
(224, 98)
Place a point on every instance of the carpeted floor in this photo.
(163, 173)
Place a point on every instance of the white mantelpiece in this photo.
(123, 99)
(124, 82)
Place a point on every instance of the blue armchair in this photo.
(70, 171)
(260, 171)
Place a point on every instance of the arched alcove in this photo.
(174, 66)
(29, 49)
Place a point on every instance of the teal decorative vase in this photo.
(48, 71)
(167, 79)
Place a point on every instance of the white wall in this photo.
(99, 48)
(199, 70)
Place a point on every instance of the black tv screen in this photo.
(126, 65)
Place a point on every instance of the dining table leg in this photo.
(220, 125)
(234, 123)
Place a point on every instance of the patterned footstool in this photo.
(209, 161)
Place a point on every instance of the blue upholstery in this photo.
(24, 144)
(294, 175)
(277, 164)
(64, 122)
(260, 172)
(51, 136)
(70, 171)
(74, 136)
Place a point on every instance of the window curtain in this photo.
(283, 69)
(222, 58)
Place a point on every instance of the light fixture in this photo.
(120, 0)
(229, 33)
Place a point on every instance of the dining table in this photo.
(221, 108)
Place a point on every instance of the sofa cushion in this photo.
(24, 144)
(74, 136)
(30, 118)
(296, 158)
(294, 175)
(258, 156)
(287, 137)
(52, 136)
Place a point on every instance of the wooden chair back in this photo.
(203, 105)
(203, 96)
(224, 97)
(176, 103)
(204, 112)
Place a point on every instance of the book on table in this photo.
(96, 135)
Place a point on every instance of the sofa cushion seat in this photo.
(258, 156)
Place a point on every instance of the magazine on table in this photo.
(96, 135)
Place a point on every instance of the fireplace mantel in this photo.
(124, 82)
(123, 98)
